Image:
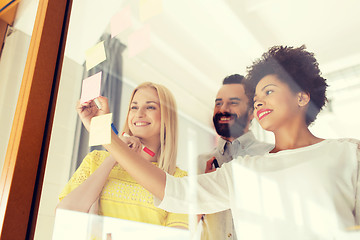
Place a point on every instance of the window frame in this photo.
(25, 161)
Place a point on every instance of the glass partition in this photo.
(189, 47)
(73, 225)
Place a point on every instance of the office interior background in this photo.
(193, 46)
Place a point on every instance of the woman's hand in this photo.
(133, 142)
(89, 110)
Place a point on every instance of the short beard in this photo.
(234, 130)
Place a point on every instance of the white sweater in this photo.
(304, 193)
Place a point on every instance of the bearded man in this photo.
(232, 117)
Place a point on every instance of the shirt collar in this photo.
(244, 140)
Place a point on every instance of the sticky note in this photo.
(95, 55)
(100, 130)
(149, 9)
(91, 88)
(120, 21)
(139, 40)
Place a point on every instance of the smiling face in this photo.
(144, 119)
(275, 105)
(231, 113)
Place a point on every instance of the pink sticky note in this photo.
(139, 40)
(91, 88)
(149, 8)
(120, 21)
(100, 130)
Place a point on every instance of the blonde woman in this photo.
(151, 122)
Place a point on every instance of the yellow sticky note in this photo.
(100, 130)
(95, 55)
(357, 227)
(149, 8)
(139, 40)
(120, 21)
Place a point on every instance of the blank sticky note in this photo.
(100, 130)
(91, 88)
(95, 55)
(139, 40)
(120, 21)
(149, 8)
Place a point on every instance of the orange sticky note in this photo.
(91, 88)
(95, 55)
(139, 40)
(149, 8)
(120, 21)
(100, 130)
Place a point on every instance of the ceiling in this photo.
(196, 43)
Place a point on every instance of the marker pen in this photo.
(114, 129)
(216, 164)
(97, 103)
(145, 149)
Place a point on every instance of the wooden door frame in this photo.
(3, 30)
(8, 11)
(26, 155)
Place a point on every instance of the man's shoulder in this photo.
(207, 155)
(257, 147)
(258, 143)
(349, 140)
(204, 157)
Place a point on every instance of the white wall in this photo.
(12, 64)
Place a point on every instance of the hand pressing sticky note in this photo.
(120, 21)
(100, 130)
(138, 41)
(91, 88)
(149, 9)
(95, 55)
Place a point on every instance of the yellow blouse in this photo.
(122, 197)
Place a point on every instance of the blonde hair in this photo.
(166, 157)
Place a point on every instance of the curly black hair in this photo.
(296, 67)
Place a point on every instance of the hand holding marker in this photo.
(145, 149)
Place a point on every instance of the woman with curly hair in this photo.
(305, 188)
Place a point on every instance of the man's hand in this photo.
(88, 110)
(209, 166)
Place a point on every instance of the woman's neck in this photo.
(294, 137)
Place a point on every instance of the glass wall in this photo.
(190, 47)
